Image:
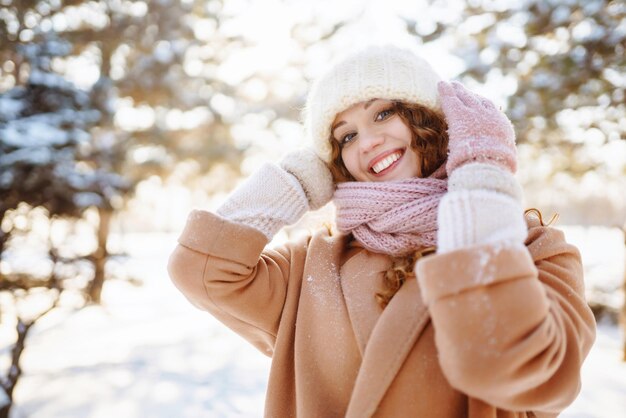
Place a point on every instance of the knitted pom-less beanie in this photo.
(378, 72)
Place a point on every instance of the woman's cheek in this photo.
(351, 162)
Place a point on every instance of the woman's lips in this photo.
(383, 163)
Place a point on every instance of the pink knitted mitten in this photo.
(477, 130)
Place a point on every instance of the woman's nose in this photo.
(370, 140)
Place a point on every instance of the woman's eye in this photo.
(384, 114)
(347, 138)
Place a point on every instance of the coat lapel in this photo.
(360, 277)
(385, 339)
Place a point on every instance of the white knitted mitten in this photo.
(483, 205)
(277, 196)
(313, 175)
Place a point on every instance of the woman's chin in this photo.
(399, 173)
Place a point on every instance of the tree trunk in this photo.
(5, 410)
(100, 255)
(623, 313)
(4, 236)
(15, 371)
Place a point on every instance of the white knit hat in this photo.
(377, 72)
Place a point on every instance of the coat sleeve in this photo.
(512, 326)
(222, 267)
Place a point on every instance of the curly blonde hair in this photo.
(429, 138)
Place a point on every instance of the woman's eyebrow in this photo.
(338, 124)
(369, 103)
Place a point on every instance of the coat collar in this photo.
(384, 337)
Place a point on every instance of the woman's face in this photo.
(375, 142)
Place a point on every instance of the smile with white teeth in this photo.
(386, 162)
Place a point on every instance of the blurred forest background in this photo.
(118, 116)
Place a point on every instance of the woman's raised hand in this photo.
(313, 175)
(477, 130)
(278, 195)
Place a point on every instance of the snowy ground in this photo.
(148, 353)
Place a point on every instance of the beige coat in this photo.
(482, 332)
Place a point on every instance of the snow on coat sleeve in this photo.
(220, 267)
(512, 326)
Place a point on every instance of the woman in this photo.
(437, 298)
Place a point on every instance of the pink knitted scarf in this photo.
(394, 217)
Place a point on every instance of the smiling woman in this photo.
(435, 298)
(375, 142)
(421, 131)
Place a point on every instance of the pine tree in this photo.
(43, 124)
(566, 60)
